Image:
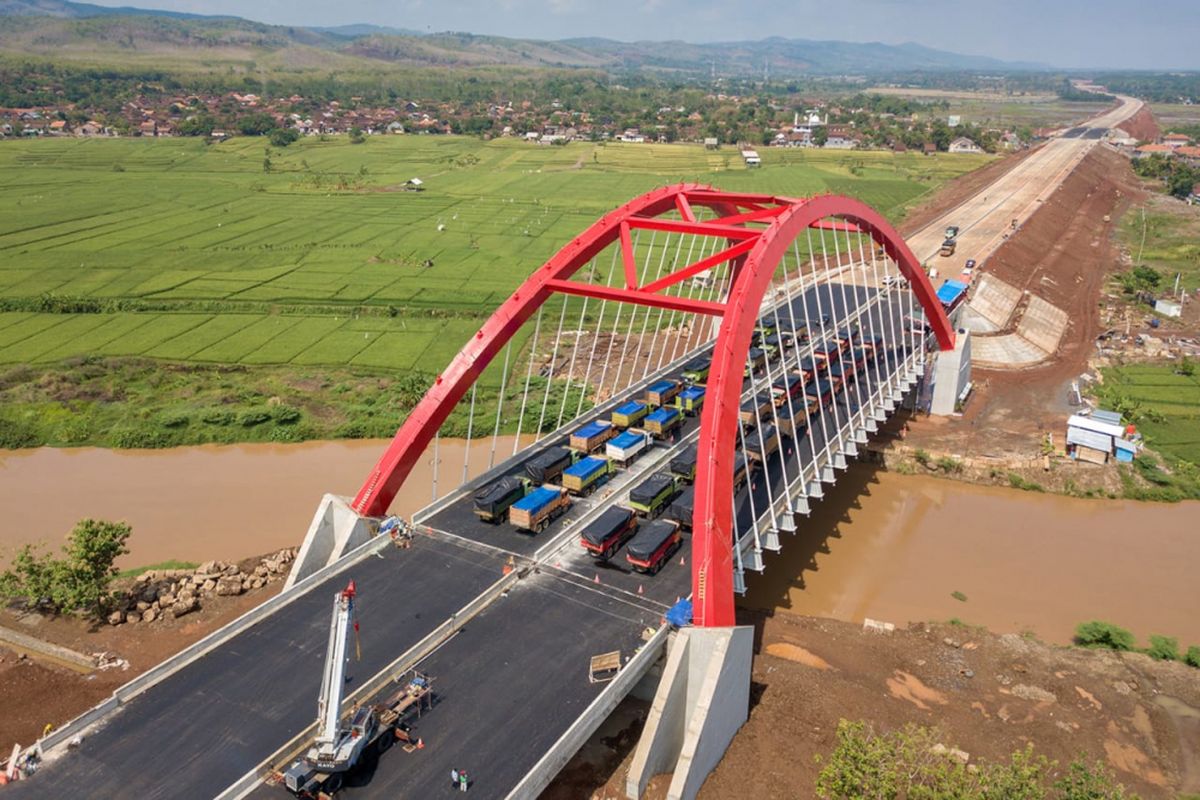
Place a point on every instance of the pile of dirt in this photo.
(987, 694)
(1063, 254)
(1142, 125)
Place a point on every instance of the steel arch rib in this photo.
(418, 430)
(712, 520)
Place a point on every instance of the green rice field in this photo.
(1165, 403)
(187, 226)
(288, 264)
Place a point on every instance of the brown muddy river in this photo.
(881, 545)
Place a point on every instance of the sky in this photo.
(1064, 33)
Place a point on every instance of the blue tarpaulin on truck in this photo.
(660, 387)
(950, 291)
(536, 499)
(585, 468)
(630, 408)
(592, 429)
(663, 415)
(625, 440)
(692, 393)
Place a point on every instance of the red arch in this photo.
(755, 259)
(449, 387)
(712, 538)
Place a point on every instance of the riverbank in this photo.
(987, 694)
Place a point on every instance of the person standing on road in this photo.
(463, 781)
(453, 778)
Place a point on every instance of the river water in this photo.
(880, 545)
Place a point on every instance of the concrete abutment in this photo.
(701, 702)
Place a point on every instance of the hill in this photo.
(97, 35)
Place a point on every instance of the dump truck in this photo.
(756, 361)
(952, 232)
(820, 391)
(629, 414)
(845, 338)
(827, 350)
(786, 386)
(342, 744)
(653, 545)
(586, 475)
(625, 447)
(651, 497)
(690, 400)
(683, 466)
(536, 510)
(682, 508)
(493, 501)
(742, 468)
(755, 408)
(696, 370)
(766, 325)
(661, 393)
(663, 422)
(948, 247)
(591, 437)
(605, 535)
(548, 467)
(762, 443)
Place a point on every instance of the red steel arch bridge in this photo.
(760, 339)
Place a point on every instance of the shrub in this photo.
(286, 415)
(1083, 782)
(1192, 657)
(217, 416)
(1164, 648)
(15, 435)
(253, 416)
(173, 419)
(922, 457)
(959, 596)
(79, 581)
(1103, 634)
(949, 465)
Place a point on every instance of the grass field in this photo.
(1167, 406)
(1164, 233)
(187, 252)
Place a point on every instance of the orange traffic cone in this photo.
(597, 580)
(640, 589)
(420, 744)
(682, 561)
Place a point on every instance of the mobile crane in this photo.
(340, 745)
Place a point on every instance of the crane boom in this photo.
(329, 704)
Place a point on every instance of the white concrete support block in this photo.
(771, 541)
(702, 701)
(336, 529)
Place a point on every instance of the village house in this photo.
(964, 145)
(1174, 140)
(840, 137)
(1194, 197)
(1147, 150)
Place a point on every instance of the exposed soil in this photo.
(1142, 125)
(1064, 254)
(989, 695)
(37, 693)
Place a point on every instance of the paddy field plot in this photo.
(193, 252)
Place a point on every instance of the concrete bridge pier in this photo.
(701, 702)
(336, 529)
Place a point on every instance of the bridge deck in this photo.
(509, 684)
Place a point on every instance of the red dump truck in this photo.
(603, 537)
(653, 545)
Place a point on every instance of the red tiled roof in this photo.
(1155, 148)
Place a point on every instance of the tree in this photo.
(80, 580)
(1103, 634)
(356, 136)
(1082, 782)
(266, 163)
(282, 137)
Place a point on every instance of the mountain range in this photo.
(75, 31)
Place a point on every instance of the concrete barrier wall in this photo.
(563, 750)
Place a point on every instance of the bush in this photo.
(282, 137)
(217, 416)
(286, 415)
(1164, 648)
(1103, 634)
(1083, 782)
(1192, 658)
(254, 416)
(949, 465)
(79, 581)
(15, 435)
(922, 457)
(173, 419)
